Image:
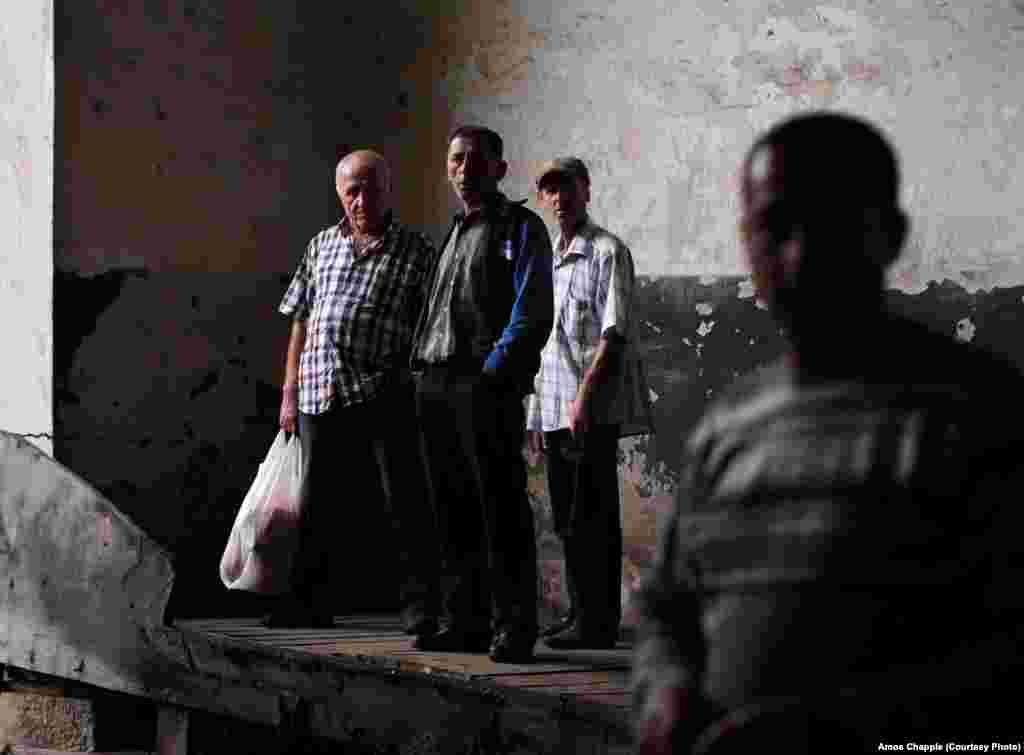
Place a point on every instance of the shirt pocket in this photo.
(361, 327)
(577, 318)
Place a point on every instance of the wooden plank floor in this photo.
(590, 676)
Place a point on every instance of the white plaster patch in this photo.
(961, 16)
(843, 31)
(726, 42)
(965, 330)
(746, 288)
(653, 396)
(853, 24)
(704, 309)
(759, 303)
(768, 93)
(705, 327)
(26, 221)
(726, 46)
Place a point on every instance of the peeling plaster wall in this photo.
(26, 218)
(663, 98)
(196, 141)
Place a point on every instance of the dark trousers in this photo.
(351, 453)
(473, 438)
(584, 492)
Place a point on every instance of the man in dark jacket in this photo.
(477, 350)
(845, 543)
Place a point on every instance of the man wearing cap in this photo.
(590, 392)
(477, 350)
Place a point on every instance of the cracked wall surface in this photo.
(26, 219)
(196, 144)
(662, 99)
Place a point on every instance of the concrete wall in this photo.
(196, 142)
(196, 149)
(663, 97)
(26, 220)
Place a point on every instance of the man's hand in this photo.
(579, 416)
(534, 446)
(669, 722)
(289, 409)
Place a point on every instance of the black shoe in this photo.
(454, 640)
(512, 647)
(575, 638)
(560, 625)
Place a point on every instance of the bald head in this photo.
(363, 181)
(363, 162)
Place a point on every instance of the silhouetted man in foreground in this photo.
(843, 557)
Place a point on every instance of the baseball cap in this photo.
(566, 166)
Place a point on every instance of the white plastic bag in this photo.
(260, 550)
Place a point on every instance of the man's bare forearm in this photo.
(296, 342)
(605, 363)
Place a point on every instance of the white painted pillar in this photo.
(26, 220)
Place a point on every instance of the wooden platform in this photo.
(365, 676)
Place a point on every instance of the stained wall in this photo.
(196, 141)
(662, 98)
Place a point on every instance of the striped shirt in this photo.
(361, 308)
(820, 525)
(593, 287)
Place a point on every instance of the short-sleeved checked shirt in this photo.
(593, 286)
(360, 309)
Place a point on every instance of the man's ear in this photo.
(502, 169)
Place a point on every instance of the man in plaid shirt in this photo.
(354, 302)
(590, 391)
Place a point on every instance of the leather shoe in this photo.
(559, 625)
(424, 625)
(575, 638)
(453, 640)
(511, 647)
